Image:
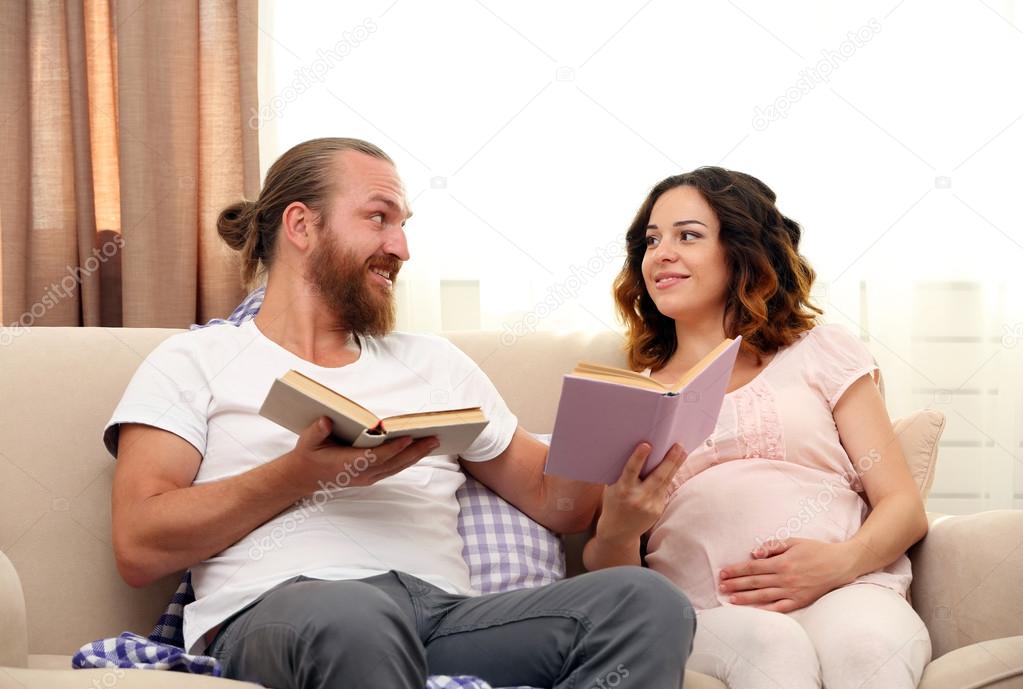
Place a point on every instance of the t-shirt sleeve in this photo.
(837, 359)
(472, 387)
(168, 391)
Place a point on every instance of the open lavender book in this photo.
(604, 412)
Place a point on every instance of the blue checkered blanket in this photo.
(163, 649)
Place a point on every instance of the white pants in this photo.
(861, 636)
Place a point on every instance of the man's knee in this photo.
(643, 586)
(640, 593)
(336, 616)
(327, 630)
(346, 607)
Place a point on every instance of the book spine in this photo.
(664, 427)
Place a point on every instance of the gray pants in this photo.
(624, 626)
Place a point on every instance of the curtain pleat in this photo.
(124, 133)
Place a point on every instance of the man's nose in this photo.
(396, 244)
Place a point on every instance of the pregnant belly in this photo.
(720, 515)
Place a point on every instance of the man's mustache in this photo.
(388, 264)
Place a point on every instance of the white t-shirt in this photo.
(207, 385)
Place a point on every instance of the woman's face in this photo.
(684, 266)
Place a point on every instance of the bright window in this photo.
(529, 132)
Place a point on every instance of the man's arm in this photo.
(162, 523)
(516, 474)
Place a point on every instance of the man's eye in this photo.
(377, 217)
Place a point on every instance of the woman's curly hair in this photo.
(769, 296)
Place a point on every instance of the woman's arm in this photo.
(631, 506)
(788, 575)
(898, 519)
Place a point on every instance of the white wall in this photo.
(529, 132)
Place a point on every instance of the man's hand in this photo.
(788, 575)
(322, 461)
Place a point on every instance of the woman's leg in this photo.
(749, 648)
(867, 637)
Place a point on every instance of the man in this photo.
(320, 565)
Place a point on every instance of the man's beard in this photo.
(342, 281)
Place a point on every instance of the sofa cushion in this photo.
(24, 678)
(505, 549)
(918, 434)
(995, 664)
(966, 578)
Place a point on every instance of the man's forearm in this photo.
(174, 530)
(570, 505)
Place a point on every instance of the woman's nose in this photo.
(665, 253)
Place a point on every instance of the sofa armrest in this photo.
(13, 629)
(966, 575)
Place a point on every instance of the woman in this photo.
(799, 578)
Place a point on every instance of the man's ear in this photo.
(297, 224)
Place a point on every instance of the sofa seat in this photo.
(59, 586)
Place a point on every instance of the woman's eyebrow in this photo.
(680, 223)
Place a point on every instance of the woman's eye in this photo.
(651, 240)
(688, 234)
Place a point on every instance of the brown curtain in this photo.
(123, 126)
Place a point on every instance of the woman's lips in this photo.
(665, 283)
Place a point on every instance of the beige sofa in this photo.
(59, 587)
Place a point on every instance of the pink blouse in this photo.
(773, 468)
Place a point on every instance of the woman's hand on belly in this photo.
(788, 575)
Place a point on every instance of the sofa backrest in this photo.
(59, 388)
